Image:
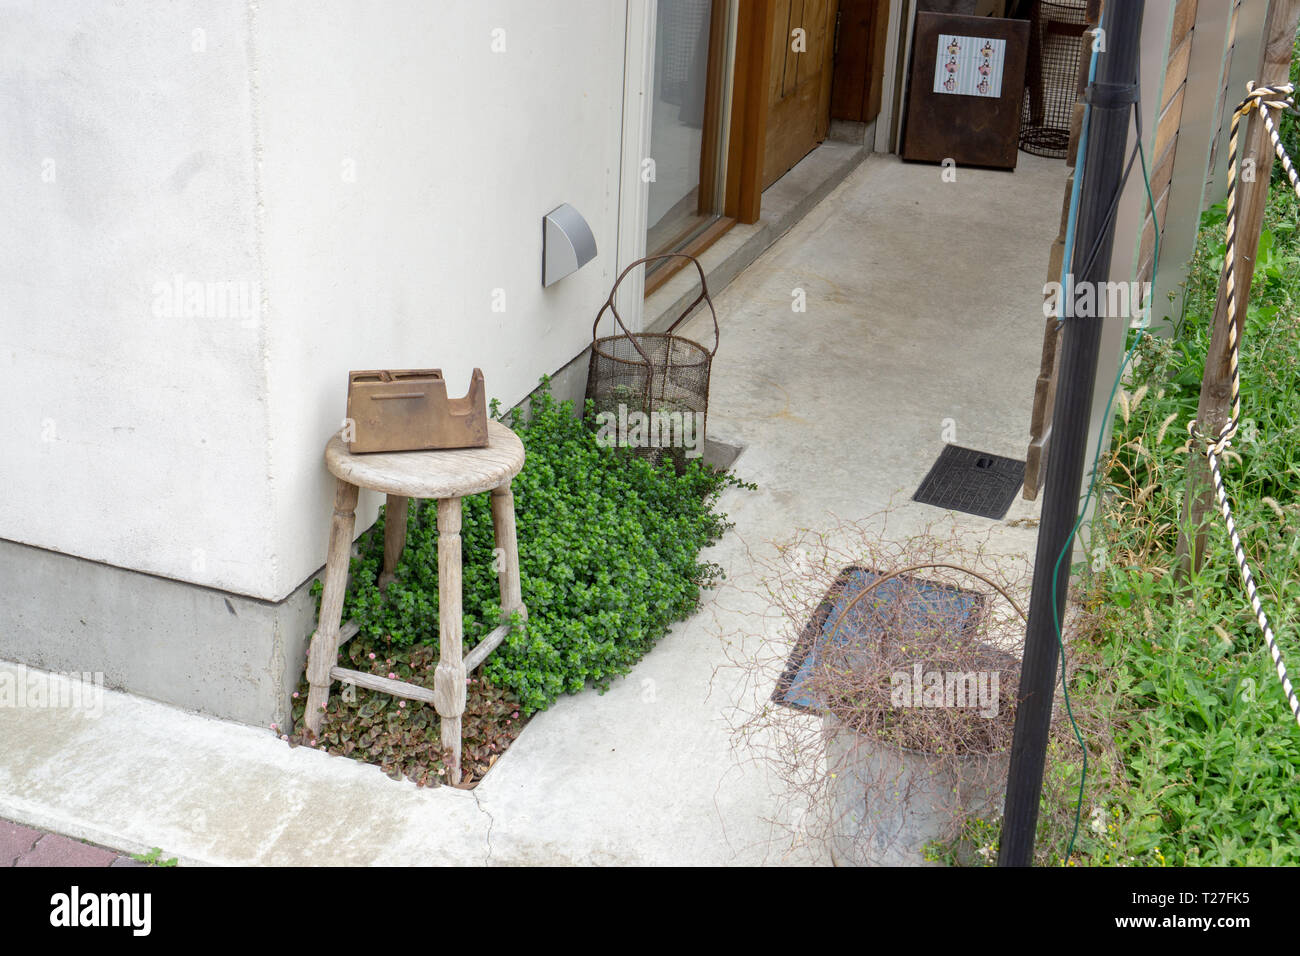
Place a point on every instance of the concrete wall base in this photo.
(202, 649)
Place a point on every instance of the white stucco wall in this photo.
(372, 172)
(129, 434)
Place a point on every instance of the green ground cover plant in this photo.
(609, 550)
(154, 858)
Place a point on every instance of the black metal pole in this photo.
(1110, 97)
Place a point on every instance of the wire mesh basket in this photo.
(1056, 32)
(651, 389)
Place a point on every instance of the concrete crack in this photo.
(488, 838)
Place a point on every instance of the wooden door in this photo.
(799, 85)
(859, 71)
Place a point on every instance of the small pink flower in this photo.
(372, 655)
(401, 703)
(295, 695)
(515, 715)
(284, 737)
(313, 743)
(392, 676)
(277, 726)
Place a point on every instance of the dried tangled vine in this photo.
(879, 676)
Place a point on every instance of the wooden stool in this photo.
(445, 476)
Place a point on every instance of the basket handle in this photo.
(702, 297)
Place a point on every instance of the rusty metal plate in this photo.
(408, 410)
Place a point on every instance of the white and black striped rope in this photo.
(1252, 592)
(1264, 99)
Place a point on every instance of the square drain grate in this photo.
(972, 481)
(943, 605)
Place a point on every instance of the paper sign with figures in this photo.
(970, 66)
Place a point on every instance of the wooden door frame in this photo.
(748, 133)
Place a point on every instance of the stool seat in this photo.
(431, 474)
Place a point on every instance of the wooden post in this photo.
(1215, 405)
(325, 642)
(503, 526)
(394, 537)
(449, 676)
(859, 60)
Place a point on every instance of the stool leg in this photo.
(503, 526)
(394, 537)
(449, 676)
(325, 642)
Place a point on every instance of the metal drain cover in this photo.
(972, 481)
(867, 623)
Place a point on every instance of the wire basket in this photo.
(1052, 76)
(651, 389)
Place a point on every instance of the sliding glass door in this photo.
(688, 122)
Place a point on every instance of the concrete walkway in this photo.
(923, 305)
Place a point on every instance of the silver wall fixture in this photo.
(567, 243)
